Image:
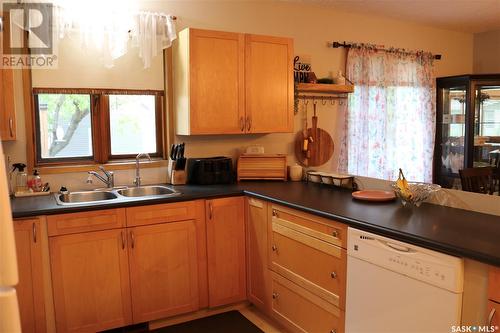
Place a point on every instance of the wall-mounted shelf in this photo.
(324, 88)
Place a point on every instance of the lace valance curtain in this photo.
(114, 33)
(390, 121)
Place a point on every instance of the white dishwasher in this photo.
(394, 287)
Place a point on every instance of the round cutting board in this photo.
(321, 149)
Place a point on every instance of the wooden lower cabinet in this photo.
(30, 289)
(226, 250)
(302, 311)
(258, 275)
(163, 270)
(90, 276)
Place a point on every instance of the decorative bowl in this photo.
(418, 192)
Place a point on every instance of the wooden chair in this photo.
(479, 180)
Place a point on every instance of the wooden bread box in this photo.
(262, 166)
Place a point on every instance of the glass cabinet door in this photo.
(452, 139)
(486, 126)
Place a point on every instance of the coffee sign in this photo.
(301, 68)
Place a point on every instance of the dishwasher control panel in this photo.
(413, 261)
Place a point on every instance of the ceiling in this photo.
(460, 15)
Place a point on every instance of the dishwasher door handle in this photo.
(397, 247)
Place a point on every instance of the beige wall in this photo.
(487, 52)
(311, 27)
(81, 67)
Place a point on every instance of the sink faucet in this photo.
(137, 180)
(108, 179)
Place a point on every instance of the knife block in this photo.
(175, 177)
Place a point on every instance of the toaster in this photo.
(210, 170)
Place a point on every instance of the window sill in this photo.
(111, 166)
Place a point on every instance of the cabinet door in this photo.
(494, 284)
(91, 281)
(226, 250)
(493, 314)
(258, 277)
(216, 82)
(269, 84)
(30, 292)
(163, 270)
(7, 111)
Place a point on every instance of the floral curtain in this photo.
(390, 121)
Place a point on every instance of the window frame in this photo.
(100, 124)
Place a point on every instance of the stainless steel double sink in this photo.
(106, 195)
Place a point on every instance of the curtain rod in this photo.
(336, 45)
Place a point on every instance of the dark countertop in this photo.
(450, 230)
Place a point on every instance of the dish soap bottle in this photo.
(35, 183)
(21, 177)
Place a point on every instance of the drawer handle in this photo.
(335, 234)
(276, 295)
(275, 213)
(333, 331)
(34, 233)
(249, 123)
(333, 275)
(491, 316)
(242, 124)
(11, 127)
(132, 239)
(274, 248)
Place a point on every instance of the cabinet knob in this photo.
(333, 275)
(275, 213)
(335, 233)
(274, 248)
(333, 331)
(276, 295)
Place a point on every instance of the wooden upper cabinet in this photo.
(209, 77)
(30, 289)
(90, 276)
(232, 83)
(7, 111)
(163, 270)
(226, 250)
(269, 84)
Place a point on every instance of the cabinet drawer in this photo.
(494, 284)
(177, 211)
(314, 226)
(86, 221)
(299, 310)
(313, 264)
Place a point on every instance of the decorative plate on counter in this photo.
(374, 195)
